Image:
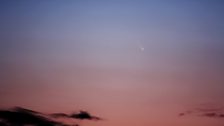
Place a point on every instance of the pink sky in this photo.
(82, 55)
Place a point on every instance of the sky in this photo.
(131, 62)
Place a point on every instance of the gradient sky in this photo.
(65, 55)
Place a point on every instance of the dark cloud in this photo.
(82, 115)
(60, 115)
(21, 117)
(23, 110)
(205, 112)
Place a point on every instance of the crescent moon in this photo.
(142, 48)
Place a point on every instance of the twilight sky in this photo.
(133, 63)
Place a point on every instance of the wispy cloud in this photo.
(205, 112)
